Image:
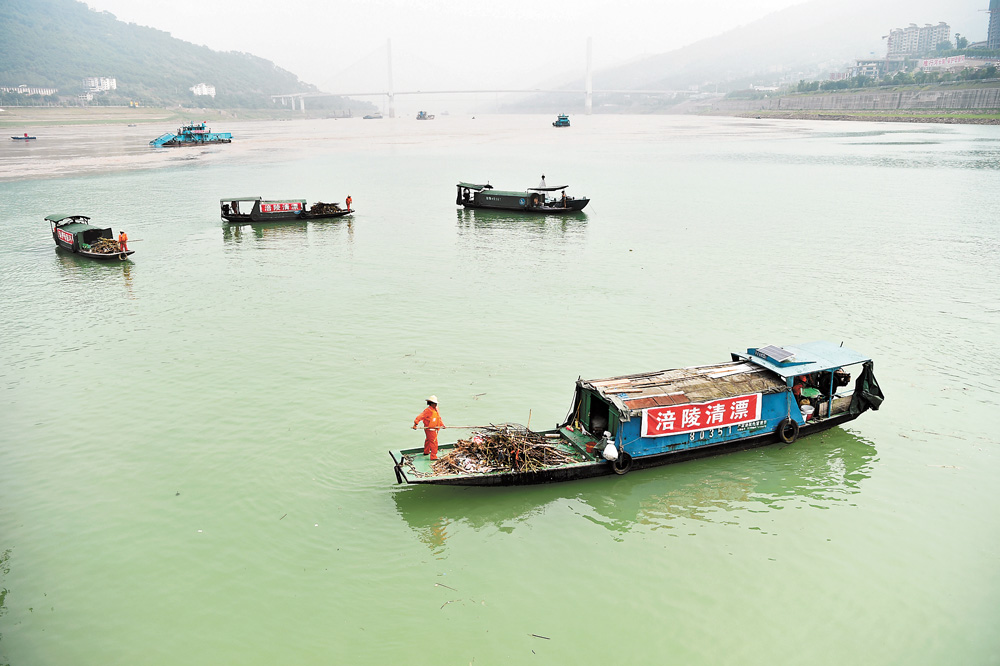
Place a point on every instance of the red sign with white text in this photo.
(64, 236)
(695, 416)
(280, 207)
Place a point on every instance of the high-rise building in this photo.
(993, 36)
(917, 41)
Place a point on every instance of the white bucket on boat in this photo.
(610, 452)
(807, 412)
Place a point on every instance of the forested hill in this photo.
(56, 43)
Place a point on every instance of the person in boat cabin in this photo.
(123, 240)
(431, 419)
(348, 202)
(564, 198)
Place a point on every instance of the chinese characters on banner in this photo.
(64, 236)
(679, 419)
(942, 62)
(280, 207)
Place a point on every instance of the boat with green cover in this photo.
(76, 234)
(542, 199)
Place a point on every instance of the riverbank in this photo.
(949, 118)
(50, 116)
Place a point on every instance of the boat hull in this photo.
(603, 468)
(572, 206)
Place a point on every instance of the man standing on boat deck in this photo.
(432, 424)
(123, 240)
(348, 202)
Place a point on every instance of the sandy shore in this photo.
(40, 116)
(955, 118)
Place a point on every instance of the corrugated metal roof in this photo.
(809, 357)
(631, 393)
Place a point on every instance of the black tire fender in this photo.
(788, 430)
(623, 464)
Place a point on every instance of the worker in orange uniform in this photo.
(123, 241)
(432, 424)
(348, 202)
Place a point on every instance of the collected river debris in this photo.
(105, 246)
(319, 208)
(505, 448)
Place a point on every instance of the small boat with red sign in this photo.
(24, 138)
(76, 234)
(768, 394)
(245, 210)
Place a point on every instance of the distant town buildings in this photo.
(28, 90)
(203, 89)
(993, 35)
(99, 83)
(918, 41)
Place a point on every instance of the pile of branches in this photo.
(320, 208)
(502, 449)
(105, 246)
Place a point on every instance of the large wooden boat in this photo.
(191, 135)
(244, 210)
(541, 199)
(74, 233)
(769, 394)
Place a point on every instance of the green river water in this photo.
(193, 443)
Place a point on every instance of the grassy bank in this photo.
(946, 117)
(43, 116)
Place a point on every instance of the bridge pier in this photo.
(589, 100)
(302, 103)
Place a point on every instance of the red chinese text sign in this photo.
(692, 417)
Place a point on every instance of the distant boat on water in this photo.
(561, 121)
(372, 116)
(191, 135)
(24, 138)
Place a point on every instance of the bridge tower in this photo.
(590, 80)
(388, 54)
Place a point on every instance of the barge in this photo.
(561, 121)
(257, 209)
(541, 199)
(191, 135)
(615, 425)
(76, 234)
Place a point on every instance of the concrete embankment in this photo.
(960, 105)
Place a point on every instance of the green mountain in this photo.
(56, 43)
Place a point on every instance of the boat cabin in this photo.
(257, 209)
(74, 232)
(764, 390)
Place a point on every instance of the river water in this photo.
(193, 443)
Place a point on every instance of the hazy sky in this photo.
(339, 45)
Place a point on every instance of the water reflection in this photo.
(291, 230)
(4, 572)
(489, 220)
(822, 472)
(73, 266)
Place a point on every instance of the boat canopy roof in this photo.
(59, 217)
(474, 186)
(632, 393)
(239, 199)
(548, 189)
(794, 360)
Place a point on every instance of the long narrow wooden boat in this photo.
(541, 199)
(615, 425)
(74, 233)
(244, 210)
(24, 138)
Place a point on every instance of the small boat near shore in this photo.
(24, 138)
(244, 210)
(615, 425)
(541, 199)
(191, 135)
(76, 234)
